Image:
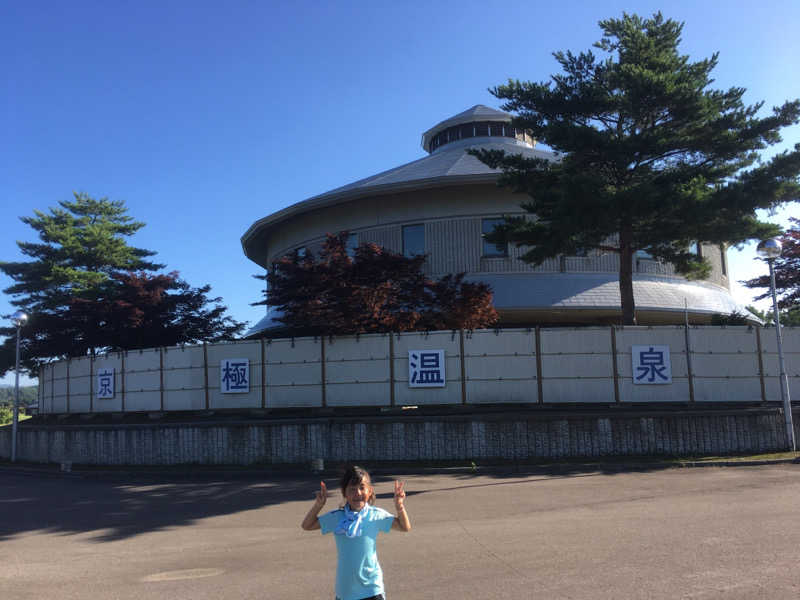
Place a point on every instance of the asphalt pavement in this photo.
(581, 533)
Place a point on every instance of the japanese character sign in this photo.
(426, 368)
(105, 384)
(651, 364)
(234, 376)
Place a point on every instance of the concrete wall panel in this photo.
(79, 378)
(45, 390)
(184, 380)
(577, 365)
(115, 404)
(362, 393)
(487, 391)
(294, 372)
(499, 367)
(143, 380)
(677, 391)
(727, 389)
(730, 339)
(59, 383)
(500, 343)
(586, 340)
(582, 390)
(357, 371)
(248, 350)
(440, 340)
(284, 396)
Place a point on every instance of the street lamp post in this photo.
(770, 250)
(18, 318)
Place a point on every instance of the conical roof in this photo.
(479, 112)
(450, 164)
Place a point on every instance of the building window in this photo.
(352, 244)
(489, 249)
(413, 240)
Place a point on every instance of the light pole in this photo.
(18, 318)
(770, 250)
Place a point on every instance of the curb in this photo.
(519, 469)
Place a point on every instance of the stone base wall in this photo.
(518, 435)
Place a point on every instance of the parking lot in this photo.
(662, 533)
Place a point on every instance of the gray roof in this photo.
(448, 165)
(479, 112)
(590, 291)
(601, 291)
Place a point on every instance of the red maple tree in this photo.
(373, 291)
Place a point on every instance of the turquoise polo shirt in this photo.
(358, 574)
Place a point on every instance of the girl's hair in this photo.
(355, 474)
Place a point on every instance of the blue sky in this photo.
(206, 116)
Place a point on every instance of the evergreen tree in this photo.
(79, 289)
(787, 277)
(649, 156)
(374, 291)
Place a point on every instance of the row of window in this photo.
(414, 239)
(470, 130)
(414, 243)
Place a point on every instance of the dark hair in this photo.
(356, 474)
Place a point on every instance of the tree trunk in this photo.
(626, 277)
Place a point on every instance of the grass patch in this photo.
(742, 458)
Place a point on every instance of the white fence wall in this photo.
(521, 366)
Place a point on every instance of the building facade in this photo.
(442, 204)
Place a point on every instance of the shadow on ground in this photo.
(121, 505)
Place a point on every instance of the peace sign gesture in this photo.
(399, 495)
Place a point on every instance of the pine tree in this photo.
(80, 290)
(650, 157)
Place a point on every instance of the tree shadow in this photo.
(122, 505)
(118, 508)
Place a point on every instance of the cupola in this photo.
(477, 122)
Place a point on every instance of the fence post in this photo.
(52, 387)
(69, 360)
(263, 376)
(122, 379)
(161, 376)
(322, 363)
(538, 342)
(205, 371)
(91, 382)
(760, 365)
(689, 370)
(391, 370)
(614, 365)
(463, 367)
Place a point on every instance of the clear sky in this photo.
(206, 116)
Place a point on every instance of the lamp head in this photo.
(769, 249)
(19, 318)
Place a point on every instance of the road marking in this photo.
(183, 574)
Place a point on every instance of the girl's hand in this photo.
(321, 495)
(399, 495)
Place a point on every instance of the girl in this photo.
(356, 526)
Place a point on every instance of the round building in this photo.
(443, 203)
